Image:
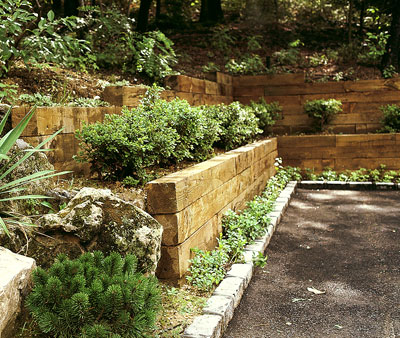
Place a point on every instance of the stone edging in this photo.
(348, 185)
(220, 306)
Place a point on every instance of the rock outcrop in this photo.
(94, 219)
(15, 277)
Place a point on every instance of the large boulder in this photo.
(15, 277)
(96, 219)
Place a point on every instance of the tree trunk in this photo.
(143, 16)
(362, 16)
(211, 11)
(350, 22)
(392, 55)
(71, 7)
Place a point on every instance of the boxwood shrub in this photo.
(160, 133)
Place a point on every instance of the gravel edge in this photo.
(226, 297)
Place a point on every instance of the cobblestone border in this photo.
(220, 306)
(348, 185)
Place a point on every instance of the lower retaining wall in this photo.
(340, 152)
(190, 203)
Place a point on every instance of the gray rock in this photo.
(15, 276)
(96, 219)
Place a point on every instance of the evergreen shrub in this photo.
(161, 133)
(322, 112)
(94, 297)
(391, 118)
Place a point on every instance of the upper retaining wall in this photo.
(361, 100)
(195, 91)
(190, 203)
(340, 152)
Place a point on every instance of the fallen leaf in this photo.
(316, 291)
(339, 327)
(295, 300)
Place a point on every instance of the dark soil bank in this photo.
(346, 243)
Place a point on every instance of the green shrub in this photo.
(24, 37)
(391, 118)
(322, 112)
(116, 44)
(157, 132)
(94, 296)
(238, 125)
(250, 64)
(267, 113)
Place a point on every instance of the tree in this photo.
(211, 11)
(392, 54)
(143, 16)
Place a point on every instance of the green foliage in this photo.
(26, 36)
(249, 64)
(208, 268)
(157, 132)
(37, 99)
(238, 125)
(116, 44)
(374, 47)
(360, 175)
(391, 118)
(210, 67)
(267, 113)
(87, 102)
(94, 296)
(389, 72)
(41, 100)
(289, 56)
(222, 39)
(322, 112)
(8, 92)
(8, 190)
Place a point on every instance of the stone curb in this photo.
(348, 185)
(226, 297)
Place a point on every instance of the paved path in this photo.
(346, 243)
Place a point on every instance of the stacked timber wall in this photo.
(47, 120)
(195, 91)
(341, 152)
(190, 203)
(361, 100)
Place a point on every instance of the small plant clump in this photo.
(391, 118)
(94, 297)
(208, 268)
(360, 175)
(322, 112)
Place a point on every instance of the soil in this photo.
(344, 243)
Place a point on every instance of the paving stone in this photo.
(205, 326)
(244, 271)
(257, 247)
(231, 287)
(221, 306)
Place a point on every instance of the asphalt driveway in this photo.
(333, 270)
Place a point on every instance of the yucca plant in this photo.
(9, 190)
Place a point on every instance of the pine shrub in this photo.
(94, 296)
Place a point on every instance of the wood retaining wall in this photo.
(361, 100)
(195, 91)
(190, 203)
(340, 152)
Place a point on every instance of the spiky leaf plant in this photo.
(94, 296)
(9, 190)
